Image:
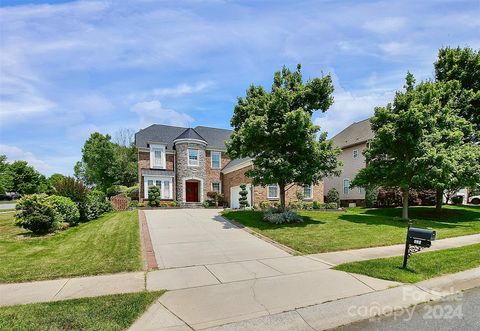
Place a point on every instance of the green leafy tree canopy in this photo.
(275, 129)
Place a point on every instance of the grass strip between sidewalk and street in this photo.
(111, 312)
(421, 266)
(108, 244)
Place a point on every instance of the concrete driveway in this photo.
(217, 273)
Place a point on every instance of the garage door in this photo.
(235, 195)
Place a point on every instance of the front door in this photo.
(192, 191)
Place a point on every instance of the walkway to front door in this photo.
(192, 191)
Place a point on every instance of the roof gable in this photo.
(356, 133)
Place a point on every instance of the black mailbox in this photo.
(425, 234)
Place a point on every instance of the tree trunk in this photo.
(405, 204)
(439, 199)
(282, 194)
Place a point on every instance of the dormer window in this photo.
(157, 156)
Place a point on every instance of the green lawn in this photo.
(5, 202)
(106, 245)
(420, 266)
(111, 312)
(359, 228)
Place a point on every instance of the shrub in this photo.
(331, 205)
(333, 196)
(94, 205)
(318, 205)
(37, 215)
(133, 192)
(216, 197)
(371, 194)
(457, 200)
(265, 205)
(116, 189)
(427, 197)
(153, 196)
(243, 200)
(71, 188)
(276, 216)
(67, 209)
(133, 204)
(295, 205)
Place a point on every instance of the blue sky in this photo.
(71, 68)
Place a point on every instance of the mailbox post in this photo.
(417, 239)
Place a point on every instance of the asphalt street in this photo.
(461, 312)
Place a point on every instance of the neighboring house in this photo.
(187, 163)
(353, 141)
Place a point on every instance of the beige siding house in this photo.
(353, 141)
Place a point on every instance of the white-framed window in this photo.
(193, 157)
(272, 191)
(216, 187)
(308, 192)
(346, 186)
(355, 153)
(216, 160)
(360, 189)
(164, 184)
(157, 156)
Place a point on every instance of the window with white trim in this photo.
(346, 186)
(308, 191)
(355, 153)
(216, 187)
(157, 156)
(360, 189)
(163, 184)
(192, 157)
(272, 192)
(216, 158)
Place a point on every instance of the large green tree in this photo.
(100, 161)
(105, 163)
(25, 179)
(418, 139)
(275, 129)
(463, 65)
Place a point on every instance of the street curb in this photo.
(333, 314)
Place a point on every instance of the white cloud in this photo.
(82, 131)
(14, 153)
(395, 48)
(385, 25)
(350, 107)
(151, 112)
(181, 89)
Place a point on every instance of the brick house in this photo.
(352, 140)
(187, 163)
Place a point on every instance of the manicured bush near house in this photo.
(331, 205)
(279, 216)
(133, 192)
(71, 188)
(371, 194)
(243, 200)
(153, 196)
(457, 200)
(333, 196)
(94, 205)
(216, 197)
(67, 209)
(264, 205)
(37, 215)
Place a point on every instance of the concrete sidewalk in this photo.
(70, 288)
(335, 258)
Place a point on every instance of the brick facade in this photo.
(144, 163)
(214, 175)
(237, 177)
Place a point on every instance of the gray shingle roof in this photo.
(356, 133)
(166, 134)
(190, 134)
(158, 133)
(236, 162)
(215, 137)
